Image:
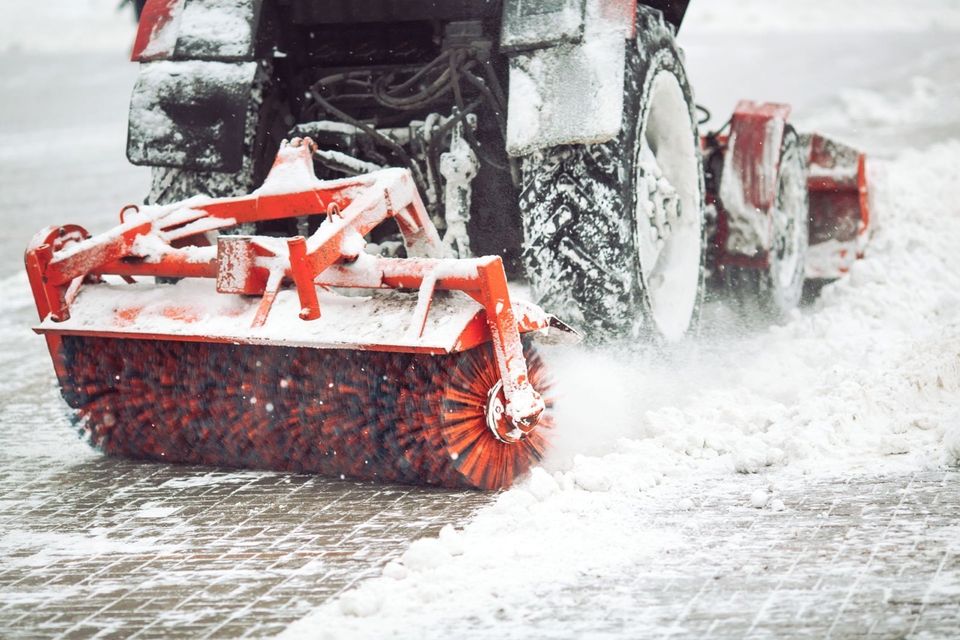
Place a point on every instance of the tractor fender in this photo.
(190, 114)
(215, 30)
(566, 70)
(190, 104)
(748, 185)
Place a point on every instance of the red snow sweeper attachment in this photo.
(257, 357)
(840, 222)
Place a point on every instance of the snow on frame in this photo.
(866, 381)
(193, 307)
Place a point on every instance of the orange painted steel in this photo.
(148, 243)
(839, 203)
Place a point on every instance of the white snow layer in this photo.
(867, 380)
(220, 25)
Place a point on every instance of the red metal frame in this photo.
(259, 265)
(748, 157)
(839, 202)
(621, 11)
(829, 185)
(155, 16)
(750, 154)
(863, 196)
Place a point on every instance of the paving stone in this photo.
(852, 557)
(100, 547)
(232, 553)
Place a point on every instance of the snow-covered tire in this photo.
(264, 129)
(588, 250)
(771, 294)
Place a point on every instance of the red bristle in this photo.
(443, 421)
(360, 414)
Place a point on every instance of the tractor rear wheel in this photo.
(614, 232)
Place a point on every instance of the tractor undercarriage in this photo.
(319, 281)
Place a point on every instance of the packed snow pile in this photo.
(918, 103)
(922, 106)
(866, 380)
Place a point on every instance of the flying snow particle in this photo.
(758, 499)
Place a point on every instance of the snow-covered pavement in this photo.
(829, 556)
(799, 481)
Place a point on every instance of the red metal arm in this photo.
(333, 256)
